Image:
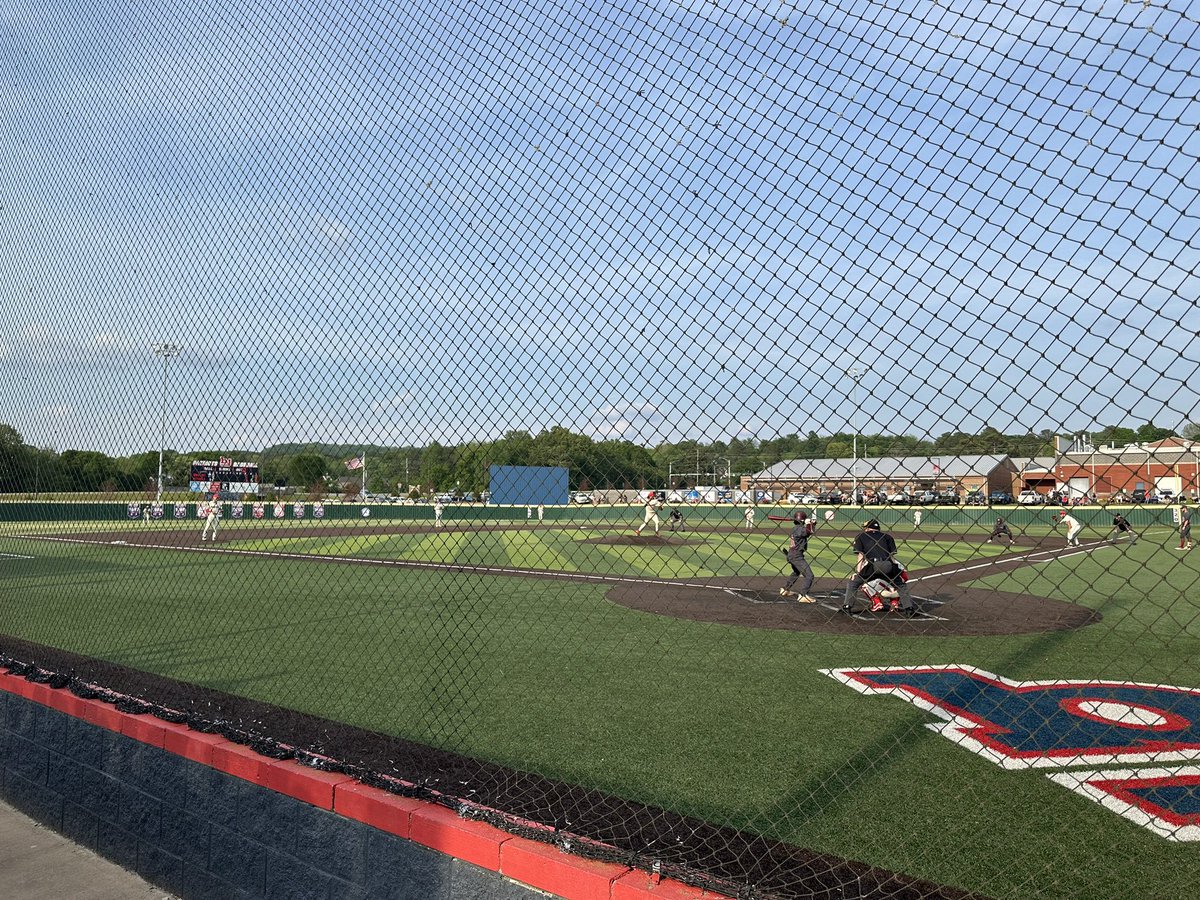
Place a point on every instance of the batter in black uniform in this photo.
(877, 559)
(797, 546)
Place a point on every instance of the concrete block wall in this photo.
(204, 817)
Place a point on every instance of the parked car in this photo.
(581, 497)
(1139, 495)
(927, 497)
(899, 497)
(1000, 498)
(976, 498)
(803, 498)
(949, 498)
(1030, 498)
(832, 498)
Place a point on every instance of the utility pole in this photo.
(167, 352)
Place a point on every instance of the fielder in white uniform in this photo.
(1073, 529)
(653, 505)
(211, 514)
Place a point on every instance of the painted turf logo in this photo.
(1060, 724)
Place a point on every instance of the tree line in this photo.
(606, 464)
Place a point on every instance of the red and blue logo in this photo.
(1060, 724)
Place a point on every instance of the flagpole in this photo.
(364, 468)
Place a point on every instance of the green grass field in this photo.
(735, 725)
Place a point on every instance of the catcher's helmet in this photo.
(800, 515)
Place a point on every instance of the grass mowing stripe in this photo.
(536, 550)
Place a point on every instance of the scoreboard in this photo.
(224, 476)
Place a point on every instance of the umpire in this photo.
(877, 559)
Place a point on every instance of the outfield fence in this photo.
(742, 264)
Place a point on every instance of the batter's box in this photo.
(764, 597)
(1167, 801)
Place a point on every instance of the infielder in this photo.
(1121, 526)
(802, 529)
(211, 514)
(653, 504)
(1073, 528)
(1001, 529)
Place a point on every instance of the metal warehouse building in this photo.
(889, 474)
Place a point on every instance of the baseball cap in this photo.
(871, 523)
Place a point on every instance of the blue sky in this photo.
(394, 223)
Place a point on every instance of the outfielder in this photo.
(212, 513)
(802, 529)
(749, 515)
(876, 553)
(1185, 528)
(653, 504)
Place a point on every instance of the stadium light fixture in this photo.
(856, 373)
(166, 351)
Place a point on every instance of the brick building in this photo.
(891, 474)
(1170, 465)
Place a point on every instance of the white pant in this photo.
(651, 517)
(1073, 534)
(211, 521)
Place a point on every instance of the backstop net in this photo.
(861, 337)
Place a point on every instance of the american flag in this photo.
(355, 462)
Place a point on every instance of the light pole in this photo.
(856, 373)
(166, 351)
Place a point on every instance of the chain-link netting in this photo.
(753, 442)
